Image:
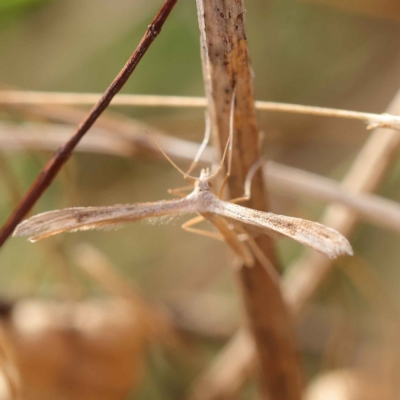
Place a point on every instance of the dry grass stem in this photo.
(121, 137)
(131, 133)
(48, 136)
(13, 97)
(293, 181)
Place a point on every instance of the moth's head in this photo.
(203, 183)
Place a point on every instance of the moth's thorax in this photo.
(202, 195)
(202, 183)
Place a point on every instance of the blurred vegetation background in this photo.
(308, 52)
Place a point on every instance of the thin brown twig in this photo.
(61, 156)
(16, 97)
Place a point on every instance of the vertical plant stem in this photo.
(62, 155)
(226, 71)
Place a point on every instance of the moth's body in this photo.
(202, 201)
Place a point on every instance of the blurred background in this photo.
(331, 53)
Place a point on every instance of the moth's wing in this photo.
(82, 218)
(311, 234)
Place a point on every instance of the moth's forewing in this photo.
(82, 218)
(309, 233)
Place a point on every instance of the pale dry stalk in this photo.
(226, 71)
(130, 137)
(15, 98)
(291, 181)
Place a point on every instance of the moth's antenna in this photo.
(188, 177)
(221, 164)
(231, 120)
(229, 146)
(203, 145)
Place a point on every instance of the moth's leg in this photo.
(260, 256)
(264, 261)
(239, 199)
(233, 238)
(224, 182)
(179, 192)
(187, 226)
(247, 184)
(228, 172)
